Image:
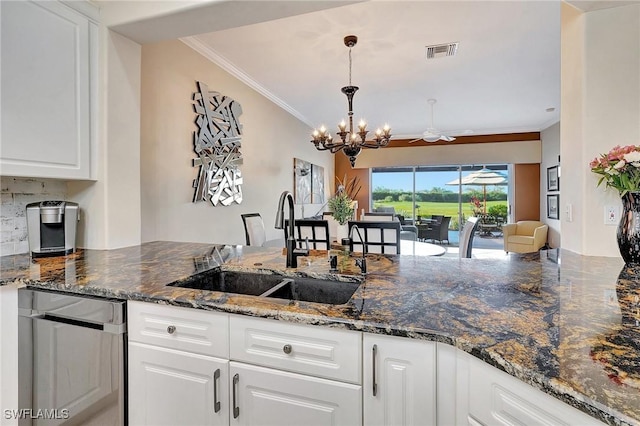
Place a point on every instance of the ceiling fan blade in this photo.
(431, 135)
(415, 140)
(447, 138)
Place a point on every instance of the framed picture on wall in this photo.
(553, 206)
(553, 180)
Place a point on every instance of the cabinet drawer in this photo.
(190, 330)
(317, 351)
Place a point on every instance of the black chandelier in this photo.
(352, 142)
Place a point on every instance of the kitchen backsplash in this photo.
(15, 194)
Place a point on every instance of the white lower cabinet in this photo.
(171, 387)
(484, 395)
(265, 396)
(8, 353)
(399, 386)
(194, 367)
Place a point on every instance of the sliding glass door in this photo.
(456, 191)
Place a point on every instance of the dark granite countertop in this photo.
(567, 324)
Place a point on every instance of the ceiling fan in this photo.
(432, 134)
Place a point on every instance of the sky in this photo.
(424, 180)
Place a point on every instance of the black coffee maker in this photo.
(52, 227)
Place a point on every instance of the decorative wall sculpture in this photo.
(217, 143)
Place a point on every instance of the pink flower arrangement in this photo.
(476, 206)
(619, 168)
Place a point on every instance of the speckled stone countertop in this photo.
(567, 324)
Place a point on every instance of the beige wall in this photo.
(600, 109)
(271, 139)
(111, 205)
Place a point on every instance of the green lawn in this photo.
(429, 208)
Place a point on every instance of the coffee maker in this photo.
(52, 227)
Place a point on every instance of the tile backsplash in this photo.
(15, 194)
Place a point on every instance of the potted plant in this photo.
(343, 203)
(342, 207)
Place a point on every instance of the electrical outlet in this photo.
(611, 215)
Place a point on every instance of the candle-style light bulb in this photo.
(362, 125)
(323, 130)
(342, 126)
(378, 132)
(315, 133)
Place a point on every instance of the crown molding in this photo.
(196, 44)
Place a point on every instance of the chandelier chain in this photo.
(349, 66)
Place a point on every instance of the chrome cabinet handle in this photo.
(287, 349)
(236, 409)
(171, 329)
(216, 401)
(373, 354)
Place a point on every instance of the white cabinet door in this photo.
(171, 387)
(268, 397)
(47, 78)
(488, 396)
(399, 382)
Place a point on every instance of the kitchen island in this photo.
(563, 323)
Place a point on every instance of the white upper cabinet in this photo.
(47, 90)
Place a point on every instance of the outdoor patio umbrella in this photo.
(483, 177)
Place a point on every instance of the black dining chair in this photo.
(379, 237)
(317, 231)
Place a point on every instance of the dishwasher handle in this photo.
(107, 328)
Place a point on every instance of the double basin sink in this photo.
(305, 289)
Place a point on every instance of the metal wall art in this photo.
(217, 143)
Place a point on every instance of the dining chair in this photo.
(254, 230)
(438, 231)
(317, 231)
(379, 237)
(466, 237)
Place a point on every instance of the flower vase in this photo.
(342, 231)
(628, 234)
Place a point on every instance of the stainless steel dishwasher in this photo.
(72, 360)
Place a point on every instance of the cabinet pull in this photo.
(236, 409)
(216, 380)
(286, 349)
(171, 329)
(373, 355)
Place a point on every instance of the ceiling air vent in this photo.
(441, 50)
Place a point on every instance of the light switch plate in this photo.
(611, 215)
(568, 211)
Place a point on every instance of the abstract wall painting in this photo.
(308, 182)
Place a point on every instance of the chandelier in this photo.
(351, 141)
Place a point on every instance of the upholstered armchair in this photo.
(524, 236)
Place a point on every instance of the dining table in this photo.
(420, 248)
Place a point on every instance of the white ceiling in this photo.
(504, 77)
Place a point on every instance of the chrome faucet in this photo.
(292, 252)
(361, 262)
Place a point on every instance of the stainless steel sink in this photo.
(273, 286)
